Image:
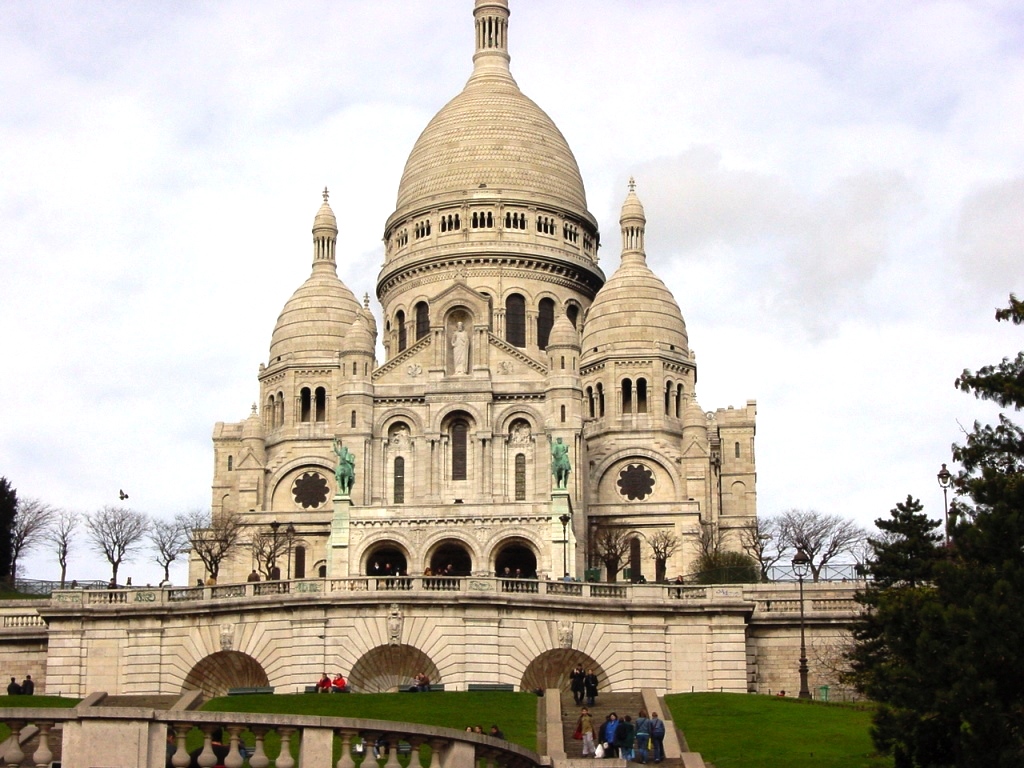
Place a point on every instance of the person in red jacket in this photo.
(340, 685)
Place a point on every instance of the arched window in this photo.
(515, 320)
(563, 362)
(520, 477)
(572, 312)
(270, 413)
(280, 409)
(459, 440)
(563, 413)
(600, 400)
(679, 400)
(590, 401)
(545, 319)
(641, 395)
(737, 450)
(305, 404)
(352, 420)
(422, 320)
(399, 494)
(668, 398)
(300, 562)
(321, 404)
(402, 337)
(627, 396)
(231, 463)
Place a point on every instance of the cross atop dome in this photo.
(326, 194)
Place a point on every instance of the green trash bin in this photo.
(592, 574)
(823, 693)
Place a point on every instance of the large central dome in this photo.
(491, 141)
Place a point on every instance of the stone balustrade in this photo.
(128, 736)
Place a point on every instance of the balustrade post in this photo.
(234, 758)
(285, 759)
(207, 758)
(414, 755)
(43, 756)
(180, 759)
(346, 761)
(14, 754)
(436, 745)
(259, 757)
(392, 752)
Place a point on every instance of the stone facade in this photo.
(501, 337)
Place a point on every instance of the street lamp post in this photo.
(800, 564)
(945, 478)
(564, 520)
(290, 530)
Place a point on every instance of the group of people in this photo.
(634, 740)
(583, 685)
(495, 731)
(338, 685)
(26, 688)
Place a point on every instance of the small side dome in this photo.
(563, 334)
(252, 427)
(694, 416)
(325, 221)
(634, 312)
(359, 338)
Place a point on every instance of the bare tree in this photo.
(169, 540)
(117, 533)
(212, 536)
(822, 537)
(60, 535)
(710, 540)
(610, 545)
(760, 539)
(32, 518)
(664, 544)
(267, 548)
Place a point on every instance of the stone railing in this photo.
(127, 736)
(26, 620)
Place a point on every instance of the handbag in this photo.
(599, 751)
(578, 733)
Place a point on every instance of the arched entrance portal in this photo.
(451, 557)
(551, 670)
(390, 668)
(386, 559)
(220, 671)
(515, 554)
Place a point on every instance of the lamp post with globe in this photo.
(801, 562)
(945, 478)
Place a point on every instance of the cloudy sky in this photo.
(834, 193)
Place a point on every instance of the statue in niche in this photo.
(560, 463)
(565, 634)
(227, 636)
(460, 349)
(400, 436)
(520, 433)
(345, 471)
(395, 625)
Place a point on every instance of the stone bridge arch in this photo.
(391, 668)
(221, 671)
(551, 670)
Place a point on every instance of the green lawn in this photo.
(57, 702)
(748, 731)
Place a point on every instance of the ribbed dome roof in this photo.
(491, 141)
(359, 338)
(316, 318)
(634, 311)
(491, 135)
(563, 334)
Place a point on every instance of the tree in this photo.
(610, 546)
(664, 544)
(8, 509)
(761, 541)
(268, 549)
(60, 535)
(725, 567)
(31, 521)
(710, 540)
(117, 533)
(169, 540)
(212, 536)
(940, 647)
(823, 537)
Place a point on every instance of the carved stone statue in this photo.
(460, 349)
(345, 471)
(565, 634)
(395, 625)
(560, 463)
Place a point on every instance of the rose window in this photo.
(636, 482)
(310, 490)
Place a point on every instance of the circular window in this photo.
(310, 490)
(636, 482)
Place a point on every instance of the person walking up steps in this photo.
(643, 735)
(657, 738)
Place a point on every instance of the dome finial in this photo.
(328, 194)
(491, 57)
(325, 234)
(366, 300)
(632, 221)
(632, 185)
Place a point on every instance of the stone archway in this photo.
(221, 671)
(451, 556)
(551, 670)
(515, 554)
(391, 668)
(386, 558)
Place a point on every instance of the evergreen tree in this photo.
(8, 510)
(941, 646)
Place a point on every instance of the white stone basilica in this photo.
(501, 337)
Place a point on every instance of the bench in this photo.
(414, 689)
(491, 687)
(247, 691)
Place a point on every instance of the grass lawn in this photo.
(57, 702)
(735, 730)
(514, 713)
